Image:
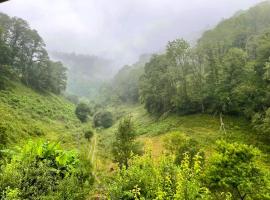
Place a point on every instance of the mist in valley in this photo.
(135, 99)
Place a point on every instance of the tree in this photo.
(23, 49)
(82, 111)
(88, 135)
(235, 169)
(233, 75)
(125, 146)
(103, 119)
(155, 87)
(178, 53)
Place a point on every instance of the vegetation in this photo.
(27, 115)
(201, 133)
(88, 134)
(103, 119)
(235, 168)
(41, 171)
(179, 145)
(82, 111)
(147, 179)
(124, 146)
(25, 57)
(222, 74)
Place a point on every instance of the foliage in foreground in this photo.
(42, 170)
(162, 179)
(235, 166)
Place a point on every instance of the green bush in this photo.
(235, 168)
(160, 179)
(88, 134)
(42, 170)
(179, 144)
(125, 145)
(82, 111)
(103, 119)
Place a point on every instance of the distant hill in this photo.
(86, 73)
(237, 30)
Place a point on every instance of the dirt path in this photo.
(92, 149)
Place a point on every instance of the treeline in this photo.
(24, 57)
(124, 87)
(227, 72)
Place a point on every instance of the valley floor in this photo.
(152, 131)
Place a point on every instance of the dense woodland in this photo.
(24, 57)
(190, 123)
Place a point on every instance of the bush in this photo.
(125, 145)
(82, 111)
(179, 144)
(88, 134)
(149, 178)
(43, 170)
(235, 168)
(103, 119)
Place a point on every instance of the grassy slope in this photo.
(204, 128)
(26, 114)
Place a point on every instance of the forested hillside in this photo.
(191, 123)
(226, 73)
(43, 151)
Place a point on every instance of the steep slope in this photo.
(238, 30)
(26, 114)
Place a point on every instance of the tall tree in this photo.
(125, 145)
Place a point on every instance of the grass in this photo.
(202, 127)
(28, 115)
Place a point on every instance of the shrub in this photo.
(43, 170)
(82, 111)
(235, 168)
(88, 134)
(148, 178)
(103, 119)
(125, 146)
(179, 144)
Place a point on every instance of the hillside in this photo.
(27, 114)
(238, 30)
(203, 128)
(190, 123)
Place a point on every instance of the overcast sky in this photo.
(120, 29)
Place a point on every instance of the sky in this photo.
(120, 30)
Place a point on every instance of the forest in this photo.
(191, 122)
